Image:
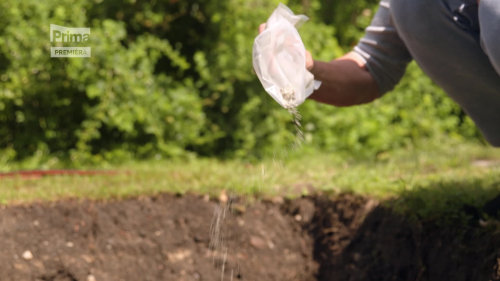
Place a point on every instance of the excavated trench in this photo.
(170, 237)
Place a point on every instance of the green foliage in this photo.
(171, 78)
(349, 16)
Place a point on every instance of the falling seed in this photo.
(223, 196)
(206, 197)
(288, 94)
(299, 134)
(27, 255)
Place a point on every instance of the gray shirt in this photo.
(463, 61)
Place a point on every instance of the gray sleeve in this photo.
(383, 50)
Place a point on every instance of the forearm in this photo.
(345, 82)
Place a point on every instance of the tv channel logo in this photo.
(62, 35)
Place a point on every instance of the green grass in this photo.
(437, 176)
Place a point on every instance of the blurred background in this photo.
(173, 79)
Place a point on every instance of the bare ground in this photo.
(177, 238)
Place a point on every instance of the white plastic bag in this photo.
(279, 59)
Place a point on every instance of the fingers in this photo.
(262, 26)
(309, 61)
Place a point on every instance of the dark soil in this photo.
(168, 238)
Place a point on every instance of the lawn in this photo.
(434, 175)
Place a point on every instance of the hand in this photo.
(309, 58)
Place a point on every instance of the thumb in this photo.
(309, 61)
(262, 26)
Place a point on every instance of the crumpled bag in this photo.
(279, 59)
